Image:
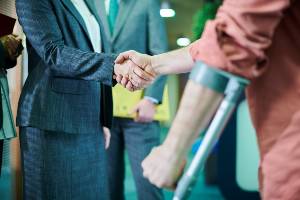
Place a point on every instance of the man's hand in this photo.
(13, 46)
(142, 71)
(145, 111)
(163, 167)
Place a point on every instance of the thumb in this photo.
(123, 56)
(135, 111)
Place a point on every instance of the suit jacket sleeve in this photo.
(41, 28)
(157, 43)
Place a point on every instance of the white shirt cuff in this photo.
(153, 100)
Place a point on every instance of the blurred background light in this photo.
(183, 41)
(166, 10)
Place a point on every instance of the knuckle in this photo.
(139, 81)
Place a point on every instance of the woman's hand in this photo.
(13, 45)
(107, 136)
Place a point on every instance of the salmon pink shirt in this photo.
(260, 40)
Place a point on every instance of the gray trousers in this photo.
(138, 139)
(63, 166)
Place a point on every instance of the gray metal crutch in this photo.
(234, 89)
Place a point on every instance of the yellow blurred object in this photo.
(125, 101)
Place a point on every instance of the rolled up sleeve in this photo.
(237, 40)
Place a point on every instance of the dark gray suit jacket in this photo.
(138, 27)
(65, 84)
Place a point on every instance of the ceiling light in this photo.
(166, 10)
(183, 41)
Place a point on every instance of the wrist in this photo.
(176, 146)
(154, 63)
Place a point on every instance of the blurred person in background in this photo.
(10, 49)
(137, 25)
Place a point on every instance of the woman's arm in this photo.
(41, 28)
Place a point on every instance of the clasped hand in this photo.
(12, 45)
(134, 70)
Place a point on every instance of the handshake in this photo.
(134, 71)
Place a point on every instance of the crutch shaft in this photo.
(223, 114)
(210, 139)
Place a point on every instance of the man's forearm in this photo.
(174, 62)
(197, 106)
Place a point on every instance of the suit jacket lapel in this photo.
(124, 10)
(76, 14)
(100, 7)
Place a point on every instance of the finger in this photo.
(180, 174)
(158, 179)
(13, 42)
(133, 82)
(121, 58)
(107, 141)
(138, 82)
(146, 167)
(141, 117)
(142, 74)
(150, 71)
(138, 119)
(145, 116)
(124, 81)
(9, 50)
(172, 183)
(19, 38)
(12, 46)
(130, 87)
(169, 186)
(149, 164)
(153, 180)
(107, 137)
(20, 46)
(135, 109)
(14, 35)
(138, 113)
(119, 78)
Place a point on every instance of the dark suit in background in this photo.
(7, 125)
(59, 109)
(138, 27)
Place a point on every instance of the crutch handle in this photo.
(232, 93)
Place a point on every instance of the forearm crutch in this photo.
(234, 88)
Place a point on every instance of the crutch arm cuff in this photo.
(213, 78)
